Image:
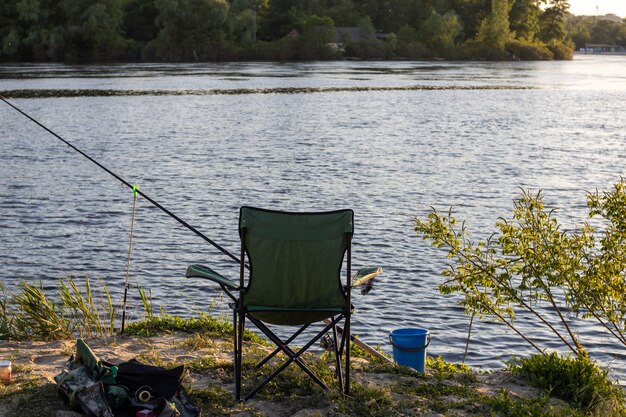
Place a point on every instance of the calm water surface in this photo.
(389, 155)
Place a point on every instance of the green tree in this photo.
(493, 31)
(439, 32)
(93, 30)
(343, 12)
(140, 18)
(409, 44)
(246, 19)
(606, 31)
(10, 38)
(586, 29)
(471, 13)
(11, 43)
(244, 26)
(531, 262)
(28, 10)
(579, 29)
(317, 33)
(524, 19)
(378, 11)
(552, 21)
(238, 6)
(552, 29)
(190, 30)
(277, 21)
(391, 15)
(175, 30)
(366, 28)
(32, 30)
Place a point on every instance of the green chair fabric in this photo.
(295, 265)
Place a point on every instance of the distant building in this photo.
(601, 48)
(293, 33)
(347, 34)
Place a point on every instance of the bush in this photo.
(284, 49)
(531, 260)
(368, 49)
(413, 50)
(577, 380)
(561, 50)
(481, 51)
(527, 51)
(458, 52)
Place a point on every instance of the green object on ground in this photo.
(100, 389)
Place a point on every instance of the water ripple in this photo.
(411, 136)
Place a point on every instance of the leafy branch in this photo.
(530, 265)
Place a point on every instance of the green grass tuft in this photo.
(577, 380)
(371, 401)
(213, 400)
(505, 404)
(204, 324)
(32, 314)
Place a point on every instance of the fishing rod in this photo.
(126, 183)
(175, 217)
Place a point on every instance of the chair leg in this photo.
(278, 349)
(292, 356)
(347, 335)
(240, 326)
(338, 360)
(237, 393)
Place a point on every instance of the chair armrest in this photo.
(363, 275)
(199, 271)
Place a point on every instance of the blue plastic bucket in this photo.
(409, 347)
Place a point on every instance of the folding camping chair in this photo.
(295, 264)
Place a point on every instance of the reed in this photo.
(146, 300)
(76, 310)
(35, 316)
(5, 319)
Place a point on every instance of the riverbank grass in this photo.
(378, 389)
(204, 345)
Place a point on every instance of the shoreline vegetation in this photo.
(38, 331)
(83, 31)
(39, 93)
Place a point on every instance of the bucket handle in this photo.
(411, 349)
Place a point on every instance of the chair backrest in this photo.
(295, 258)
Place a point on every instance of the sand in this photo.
(36, 363)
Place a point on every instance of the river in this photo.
(388, 139)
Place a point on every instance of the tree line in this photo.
(608, 30)
(229, 30)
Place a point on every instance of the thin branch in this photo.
(469, 334)
(507, 288)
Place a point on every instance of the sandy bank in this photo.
(378, 389)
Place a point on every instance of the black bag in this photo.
(144, 382)
(101, 389)
(155, 388)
